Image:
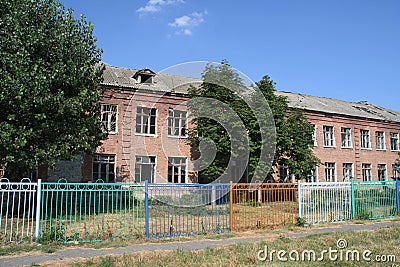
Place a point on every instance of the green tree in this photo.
(291, 133)
(48, 82)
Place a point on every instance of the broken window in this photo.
(366, 169)
(380, 140)
(394, 141)
(330, 171)
(177, 123)
(329, 137)
(145, 167)
(346, 138)
(103, 167)
(365, 139)
(146, 120)
(382, 172)
(347, 172)
(176, 170)
(109, 117)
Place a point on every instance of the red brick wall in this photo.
(355, 155)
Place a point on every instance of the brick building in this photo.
(146, 116)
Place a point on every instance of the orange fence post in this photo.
(230, 206)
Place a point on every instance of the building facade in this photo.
(147, 120)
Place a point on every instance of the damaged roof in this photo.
(361, 109)
(162, 82)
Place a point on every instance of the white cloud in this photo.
(154, 6)
(187, 22)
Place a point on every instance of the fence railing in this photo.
(325, 202)
(18, 211)
(89, 212)
(256, 206)
(176, 210)
(374, 199)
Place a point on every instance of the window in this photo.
(329, 137)
(365, 139)
(380, 140)
(346, 138)
(103, 167)
(109, 117)
(284, 173)
(313, 176)
(382, 172)
(314, 135)
(347, 172)
(145, 168)
(146, 120)
(366, 172)
(330, 172)
(176, 170)
(394, 141)
(395, 171)
(177, 123)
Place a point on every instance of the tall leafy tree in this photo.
(291, 134)
(48, 82)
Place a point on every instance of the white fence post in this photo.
(299, 198)
(38, 205)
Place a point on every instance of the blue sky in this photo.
(343, 49)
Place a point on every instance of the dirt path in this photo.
(188, 245)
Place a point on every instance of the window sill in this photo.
(347, 147)
(149, 135)
(177, 137)
(381, 149)
(366, 148)
(329, 146)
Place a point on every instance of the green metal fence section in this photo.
(89, 212)
(374, 200)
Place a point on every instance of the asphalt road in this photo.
(188, 245)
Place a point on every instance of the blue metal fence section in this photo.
(325, 202)
(18, 209)
(87, 212)
(187, 209)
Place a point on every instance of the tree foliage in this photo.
(48, 82)
(291, 133)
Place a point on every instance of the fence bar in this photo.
(38, 210)
(146, 195)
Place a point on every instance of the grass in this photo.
(379, 242)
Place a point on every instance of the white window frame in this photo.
(177, 120)
(394, 141)
(330, 171)
(314, 135)
(346, 137)
(380, 140)
(108, 112)
(313, 176)
(144, 119)
(365, 143)
(107, 160)
(140, 164)
(329, 136)
(395, 172)
(366, 169)
(181, 166)
(348, 171)
(382, 167)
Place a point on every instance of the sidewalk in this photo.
(188, 245)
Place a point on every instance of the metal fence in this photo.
(83, 212)
(374, 199)
(18, 211)
(177, 209)
(257, 206)
(325, 202)
(89, 212)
